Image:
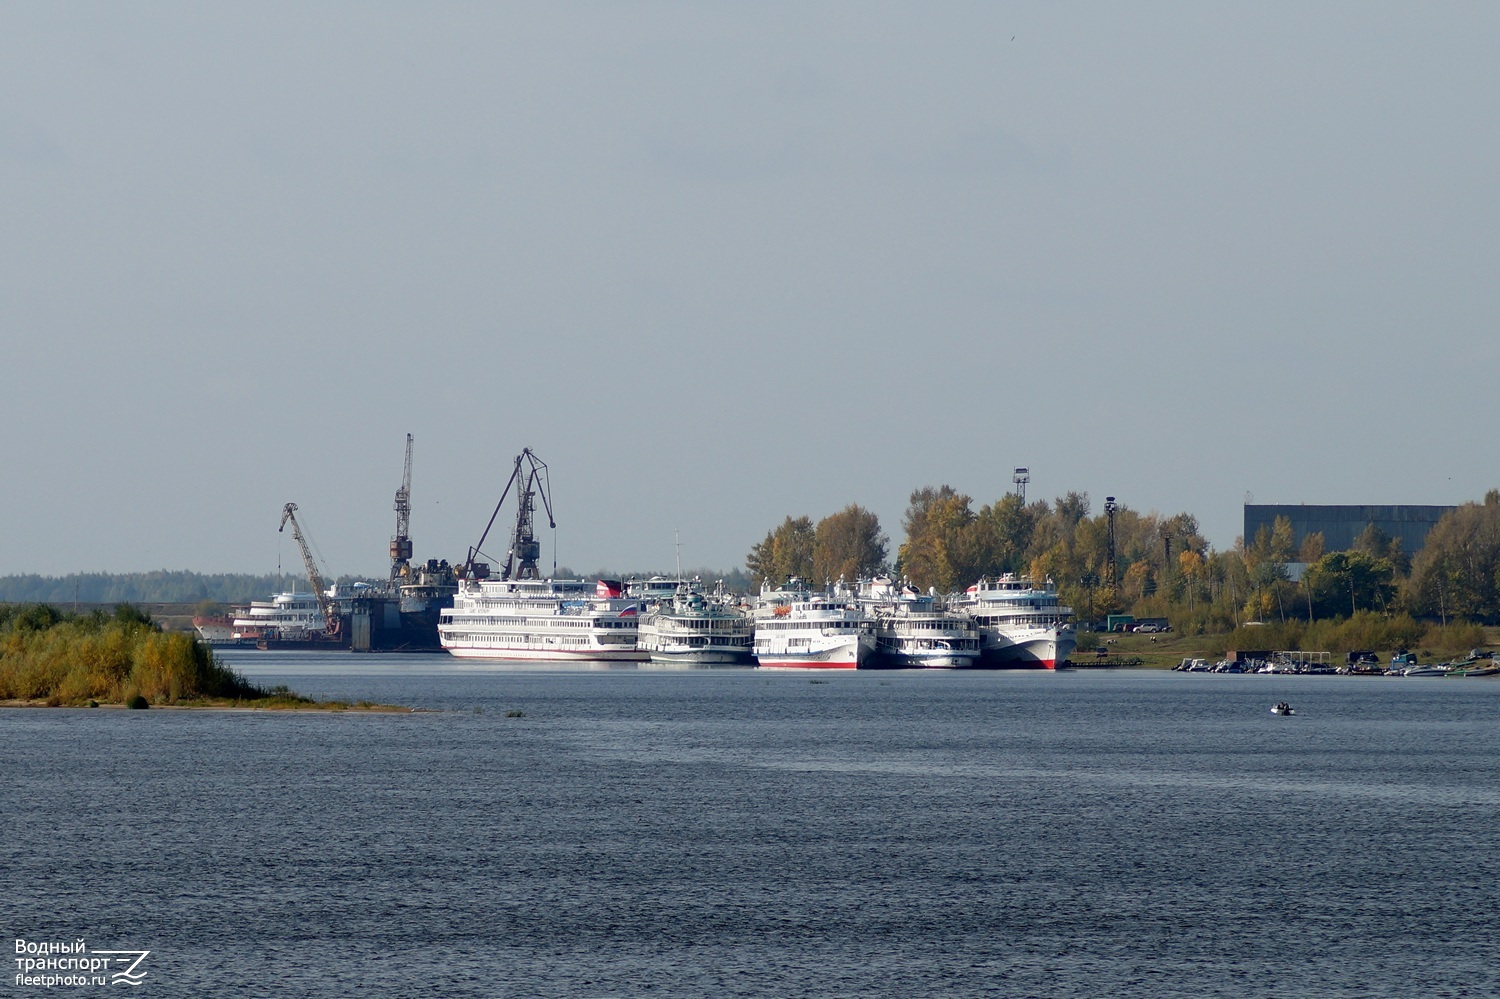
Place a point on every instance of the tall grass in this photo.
(67, 659)
(1365, 630)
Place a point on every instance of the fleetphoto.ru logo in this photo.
(50, 964)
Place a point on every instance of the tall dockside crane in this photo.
(401, 543)
(525, 550)
(330, 613)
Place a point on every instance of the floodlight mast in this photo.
(1110, 509)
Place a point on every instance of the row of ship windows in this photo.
(711, 624)
(627, 623)
(515, 641)
(961, 644)
(493, 640)
(697, 643)
(805, 625)
(1033, 619)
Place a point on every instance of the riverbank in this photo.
(126, 660)
(225, 704)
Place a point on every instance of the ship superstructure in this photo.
(1020, 623)
(694, 629)
(798, 628)
(913, 630)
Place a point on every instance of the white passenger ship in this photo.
(521, 616)
(1019, 623)
(913, 632)
(695, 630)
(798, 629)
(290, 615)
(539, 619)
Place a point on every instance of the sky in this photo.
(718, 264)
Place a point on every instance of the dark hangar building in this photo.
(1340, 525)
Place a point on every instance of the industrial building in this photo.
(1341, 525)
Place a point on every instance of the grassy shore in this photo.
(49, 658)
(1163, 651)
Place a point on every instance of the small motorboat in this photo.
(1282, 708)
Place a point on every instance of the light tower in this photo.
(1020, 478)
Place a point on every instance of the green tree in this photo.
(1266, 562)
(1349, 582)
(938, 550)
(786, 551)
(1457, 572)
(848, 544)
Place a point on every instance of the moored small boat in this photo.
(1425, 671)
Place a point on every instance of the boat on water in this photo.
(1486, 670)
(694, 629)
(1424, 671)
(521, 616)
(799, 628)
(1283, 708)
(912, 629)
(1019, 623)
(216, 629)
(289, 617)
(539, 620)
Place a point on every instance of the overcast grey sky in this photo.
(721, 263)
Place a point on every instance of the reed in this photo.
(67, 659)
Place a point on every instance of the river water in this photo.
(744, 833)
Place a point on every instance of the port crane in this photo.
(525, 551)
(330, 613)
(401, 543)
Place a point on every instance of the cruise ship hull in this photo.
(1047, 649)
(851, 654)
(703, 657)
(933, 660)
(546, 655)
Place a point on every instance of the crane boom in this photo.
(330, 614)
(525, 551)
(401, 543)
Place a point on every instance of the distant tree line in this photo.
(160, 586)
(1161, 567)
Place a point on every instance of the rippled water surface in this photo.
(735, 832)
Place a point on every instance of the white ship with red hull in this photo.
(796, 628)
(1021, 625)
(547, 620)
(521, 616)
(291, 616)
